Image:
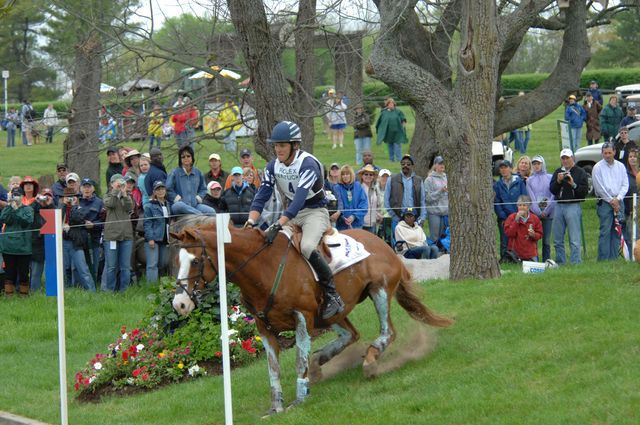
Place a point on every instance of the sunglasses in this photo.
(367, 174)
(185, 156)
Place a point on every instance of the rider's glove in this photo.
(249, 224)
(271, 233)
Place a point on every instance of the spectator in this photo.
(156, 231)
(593, 109)
(15, 243)
(569, 185)
(154, 129)
(352, 201)
(337, 121)
(522, 137)
(215, 173)
(107, 129)
(132, 163)
(239, 198)
(361, 132)
(118, 236)
(156, 172)
(246, 160)
(58, 187)
(610, 184)
(367, 159)
(75, 240)
(115, 164)
(94, 216)
(213, 198)
(14, 182)
(542, 201)
(610, 118)
(375, 200)
(523, 231)
(623, 145)
(73, 182)
(183, 123)
(11, 123)
(145, 164)
(632, 174)
(507, 189)
(576, 116)
(405, 190)
(412, 238)
(185, 186)
(229, 122)
(249, 177)
(595, 92)
(630, 118)
(523, 168)
(385, 229)
(30, 189)
(436, 189)
(27, 116)
(326, 107)
(50, 120)
(334, 174)
(44, 201)
(390, 128)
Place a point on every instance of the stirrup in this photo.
(333, 306)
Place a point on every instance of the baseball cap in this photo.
(566, 152)
(72, 176)
(87, 181)
(214, 185)
(236, 170)
(214, 156)
(130, 178)
(335, 164)
(407, 156)
(571, 97)
(158, 183)
(245, 152)
(384, 172)
(155, 151)
(112, 149)
(631, 107)
(537, 158)
(116, 178)
(438, 160)
(408, 211)
(504, 163)
(61, 165)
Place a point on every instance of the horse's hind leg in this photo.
(347, 335)
(382, 302)
(303, 349)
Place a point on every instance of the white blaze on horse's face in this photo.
(181, 302)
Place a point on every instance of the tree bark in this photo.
(305, 71)
(262, 55)
(81, 146)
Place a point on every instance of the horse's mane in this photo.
(192, 220)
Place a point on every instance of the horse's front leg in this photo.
(303, 349)
(272, 349)
(381, 301)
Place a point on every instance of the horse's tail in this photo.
(407, 296)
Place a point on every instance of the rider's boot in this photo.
(333, 303)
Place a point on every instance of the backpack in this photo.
(30, 114)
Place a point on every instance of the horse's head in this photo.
(196, 269)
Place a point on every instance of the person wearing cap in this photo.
(595, 92)
(326, 107)
(337, 117)
(436, 188)
(375, 200)
(215, 173)
(246, 160)
(157, 171)
(405, 190)
(154, 129)
(507, 189)
(523, 231)
(94, 216)
(630, 118)
(610, 118)
(58, 187)
(542, 201)
(213, 197)
(73, 182)
(576, 116)
(361, 132)
(118, 236)
(239, 197)
(390, 129)
(115, 163)
(157, 213)
(570, 186)
(411, 240)
(185, 186)
(384, 230)
(30, 188)
(623, 145)
(298, 175)
(593, 109)
(333, 177)
(75, 240)
(15, 243)
(44, 201)
(229, 123)
(610, 185)
(352, 201)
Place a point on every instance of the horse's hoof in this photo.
(370, 364)
(315, 371)
(293, 404)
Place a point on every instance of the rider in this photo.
(298, 175)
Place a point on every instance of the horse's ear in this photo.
(177, 236)
(190, 232)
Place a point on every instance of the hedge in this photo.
(61, 107)
(608, 79)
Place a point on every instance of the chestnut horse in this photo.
(295, 302)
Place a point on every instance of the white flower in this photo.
(232, 332)
(130, 381)
(139, 347)
(125, 336)
(97, 365)
(93, 378)
(194, 370)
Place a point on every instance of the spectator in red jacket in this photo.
(523, 231)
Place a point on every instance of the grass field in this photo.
(558, 348)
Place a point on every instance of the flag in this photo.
(623, 245)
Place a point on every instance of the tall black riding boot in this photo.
(333, 303)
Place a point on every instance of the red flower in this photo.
(125, 356)
(85, 381)
(145, 376)
(247, 345)
(123, 329)
(133, 351)
(77, 386)
(135, 333)
(138, 371)
(218, 354)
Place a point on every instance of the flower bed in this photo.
(166, 348)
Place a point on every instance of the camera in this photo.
(41, 198)
(16, 198)
(567, 176)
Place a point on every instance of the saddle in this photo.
(295, 235)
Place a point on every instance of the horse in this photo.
(278, 288)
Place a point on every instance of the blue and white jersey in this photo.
(301, 182)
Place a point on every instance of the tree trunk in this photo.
(305, 71)
(262, 55)
(81, 145)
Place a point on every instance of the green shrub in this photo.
(608, 80)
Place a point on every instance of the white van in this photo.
(623, 92)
